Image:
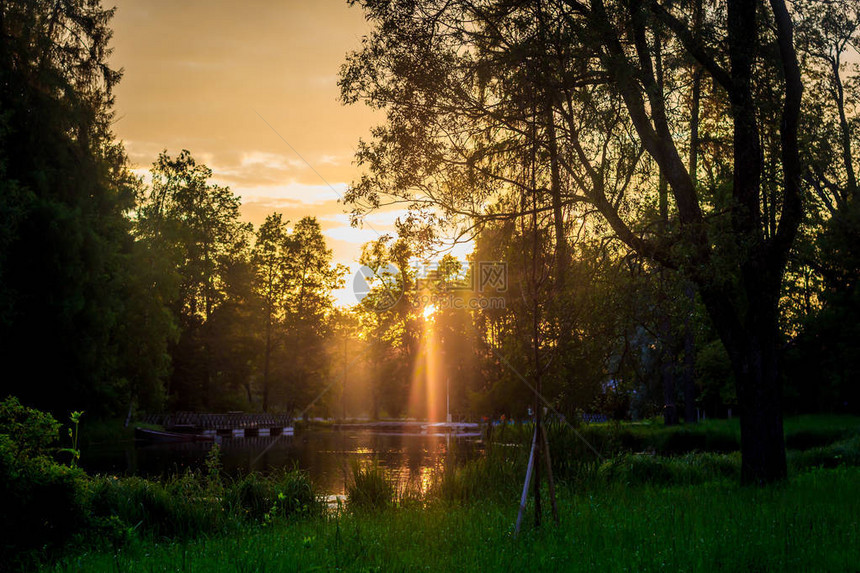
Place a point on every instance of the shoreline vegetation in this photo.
(809, 523)
(660, 497)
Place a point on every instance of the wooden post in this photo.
(549, 478)
(537, 450)
(526, 484)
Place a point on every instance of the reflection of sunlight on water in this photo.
(418, 481)
(428, 478)
(408, 484)
(413, 463)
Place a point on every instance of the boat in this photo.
(147, 435)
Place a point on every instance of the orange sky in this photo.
(198, 73)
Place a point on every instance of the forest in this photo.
(631, 255)
(662, 193)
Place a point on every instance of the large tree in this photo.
(193, 228)
(65, 247)
(271, 260)
(601, 92)
(294, 280)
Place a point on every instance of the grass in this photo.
(811, 431)
(654, 500)
(369, 488)
(717, 436)
(809, 523)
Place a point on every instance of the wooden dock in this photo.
(465, 429)
(235, 424)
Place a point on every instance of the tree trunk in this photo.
(266, 361)
(667, 369)
(667, 354)
(759, 397)
(845, 131)
(752, 344)
(688, 376)
(557, 210)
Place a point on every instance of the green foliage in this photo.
(52, 504)
(293, 281)
(807, 524)
(691, 469)
(496, 476)
(190, 505)
(65, 188)
(809, 431)
(822, 361)
(75, 418)
(296, 494)
(42, 506)
(192, 230)
(250, 495)
(29, 431)
(715, 377)
(180, 507)
(640, 454)
(214, 465)
(842, 453)
(369, 488)
(264, 499)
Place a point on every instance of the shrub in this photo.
(31, 431)
(42, 505)
(140, 504)
(807, 432)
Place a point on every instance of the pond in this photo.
(410, 459)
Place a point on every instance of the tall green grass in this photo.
(369, 488)
(809, 523)
(191, 504)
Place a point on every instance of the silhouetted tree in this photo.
(66, 254)
(461, 83)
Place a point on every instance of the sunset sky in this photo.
(208, 75)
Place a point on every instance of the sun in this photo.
(429, 310)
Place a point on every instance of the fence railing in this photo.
(229, 421)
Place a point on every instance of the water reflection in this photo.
(412, 460)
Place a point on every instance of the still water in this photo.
(410, 460)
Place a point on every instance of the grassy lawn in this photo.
(810, 523)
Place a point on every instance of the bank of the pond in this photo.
(810, 523)
(326, 453)
(653, 494)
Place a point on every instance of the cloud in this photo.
(308, 194)
(255, 210)
(201, 75)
